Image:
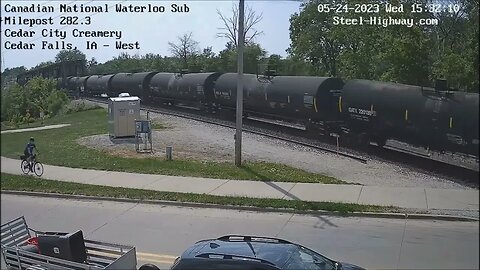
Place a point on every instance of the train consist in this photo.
(359, 111)
(57, 71)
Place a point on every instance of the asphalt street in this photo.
(160, 233)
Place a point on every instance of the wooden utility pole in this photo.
(238, 134)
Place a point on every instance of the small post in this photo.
(42, 116)
(338, 145)
(148, 115)
(169, 152)
(145, 137)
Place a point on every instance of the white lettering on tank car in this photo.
(366, 112)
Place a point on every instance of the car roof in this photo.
(276, 251)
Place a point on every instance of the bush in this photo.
(78, 106)
(23, 104)
(56, 100)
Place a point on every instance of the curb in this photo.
(244, 208)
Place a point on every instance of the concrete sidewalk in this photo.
(34, 129)
(418, 198)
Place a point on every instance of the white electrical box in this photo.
(122, 113)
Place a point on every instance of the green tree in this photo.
(294, 66)
(9, 75)
(253, 56)
(92, 63)
(395, 53)
(456, 46)
(24, 103)
(274, 62)
(312, 38)
(69, 55)
(42, 64)
(127, 63)
(208, 60)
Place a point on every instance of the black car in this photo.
(251, 252)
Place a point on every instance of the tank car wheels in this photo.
(363, 140)
(148, 266)
(380, 141)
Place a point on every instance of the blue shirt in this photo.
(30, 147)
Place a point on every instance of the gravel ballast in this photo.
(200, 141)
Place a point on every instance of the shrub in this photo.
(23, 104)
(78, 106)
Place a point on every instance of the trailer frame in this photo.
(100, 255)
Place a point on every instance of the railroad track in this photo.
(245, 129)
(464, 174)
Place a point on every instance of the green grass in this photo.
(59, 147)
(158, 125)
(5, 125)
(8, 126)
(30, 183)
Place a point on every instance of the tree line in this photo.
(447, 49)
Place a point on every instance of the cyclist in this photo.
(29, 156)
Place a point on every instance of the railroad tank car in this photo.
(59, 83)
(196, 89)
(75, 86)
(360, 109)
(377, 111)
(225, 89)
(300, 99)
(70, 84)
(80, 85)
(312, 100)
(92, 87)
(422, 116)
(463, 130)
(136, 84)
(99, 84)
(162, 86)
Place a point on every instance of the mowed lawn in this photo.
(59, 147)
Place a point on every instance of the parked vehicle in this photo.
(251, 252)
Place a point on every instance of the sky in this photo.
(153, 31)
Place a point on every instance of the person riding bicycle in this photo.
(29, 155)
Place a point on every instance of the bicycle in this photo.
(32, 166)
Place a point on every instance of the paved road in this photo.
(162, 232)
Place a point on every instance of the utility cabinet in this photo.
(122, 113)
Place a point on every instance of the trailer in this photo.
(24, 248)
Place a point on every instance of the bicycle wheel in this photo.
(38, 168)
(25, 167)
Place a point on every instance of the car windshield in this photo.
(304, 258)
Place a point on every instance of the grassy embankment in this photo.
(30, 183)
(59, 147)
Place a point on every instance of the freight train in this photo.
(57, 71)
(359, 111)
